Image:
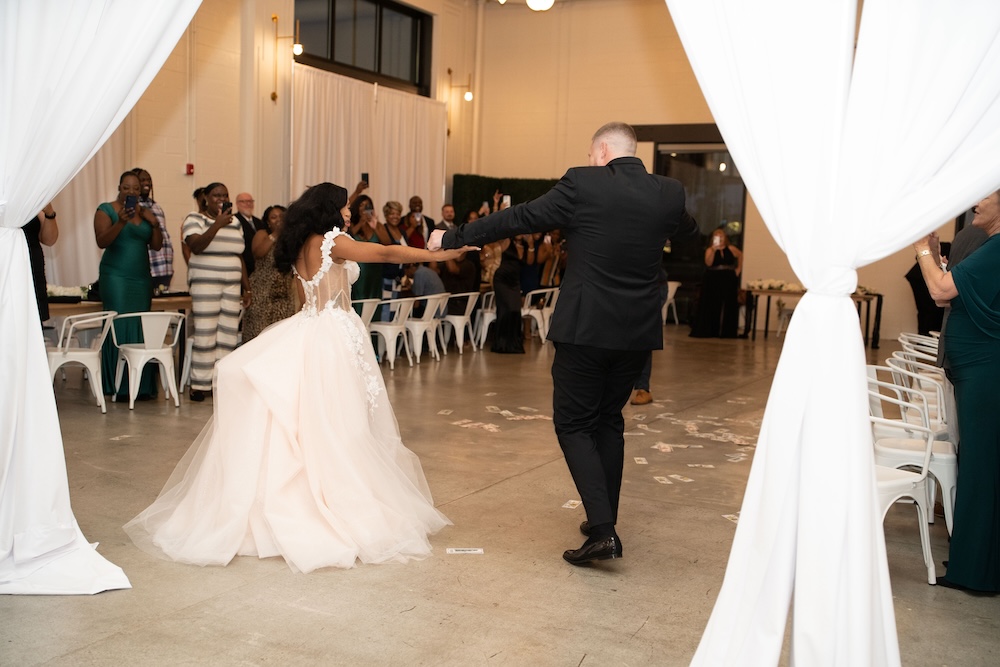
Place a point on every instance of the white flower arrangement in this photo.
(774, 285)
(59, 290)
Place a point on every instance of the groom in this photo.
(615, 218)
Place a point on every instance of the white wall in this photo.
(543, 82)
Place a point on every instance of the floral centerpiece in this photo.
(73, 291)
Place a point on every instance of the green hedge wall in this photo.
(470, 191)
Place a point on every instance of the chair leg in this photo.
(460, 338)
(133, 385)
(677, 320)
(390, 351)
(925, 539)
(119, 369)
(167, 372)
(418, 344)
(406, 346)
(97, 386)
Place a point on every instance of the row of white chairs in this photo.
(160, 333)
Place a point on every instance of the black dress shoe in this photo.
(602, 549)
(585, 528)
(197, 396)
(944, 583)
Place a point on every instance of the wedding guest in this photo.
(417, 226)
(41, 230)
(161, 262)
(718, 308)
(458, 276)
(972, 342)
(250, 225)
(447, 218)
(273, 292)
(126, 230)
(365, 226)
(392, 273)
(216, 274)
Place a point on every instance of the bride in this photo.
(302, 457)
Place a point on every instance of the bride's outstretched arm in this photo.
(373, 253)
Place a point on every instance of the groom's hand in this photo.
(434, 242)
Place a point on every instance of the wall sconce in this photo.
(296, 49)
(468, 93)
(540, 5)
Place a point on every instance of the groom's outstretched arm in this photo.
(552, 210)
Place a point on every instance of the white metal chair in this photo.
(155, 347)
(671, 302)
(390, 332)
(549, 308)
(535, 303)
(784, 318)
(894, 484)
(426, 325)
(896, 447)
(368, 308)
(487, 315)
(929, 381)
(89, 357)
(459, 323)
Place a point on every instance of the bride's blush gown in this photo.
(302, 458)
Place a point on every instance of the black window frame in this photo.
(423, 27)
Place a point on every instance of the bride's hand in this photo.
(453, 253)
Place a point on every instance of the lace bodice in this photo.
(331, 286)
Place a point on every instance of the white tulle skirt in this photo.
(302, 459)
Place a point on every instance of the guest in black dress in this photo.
(718, 307)
(508, 337)
(40, 230)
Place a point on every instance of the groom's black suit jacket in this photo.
(616, 220)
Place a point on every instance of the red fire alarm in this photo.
(189, 169)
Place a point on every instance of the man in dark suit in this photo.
(250, 225)
(615, 218)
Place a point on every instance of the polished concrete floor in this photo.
(481, 424)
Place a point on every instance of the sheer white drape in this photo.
(69, 73)
(342, 127)
(75, 259)
(903, 134)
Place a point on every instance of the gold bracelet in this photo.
(922, 253)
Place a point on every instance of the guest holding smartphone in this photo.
(126, 232)
(216, 273)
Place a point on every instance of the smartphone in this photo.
(506, 200)
(226, 205)
(131, 201)
(364, 176)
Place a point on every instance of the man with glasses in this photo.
(250, 224)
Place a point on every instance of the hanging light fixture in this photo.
(540, 5)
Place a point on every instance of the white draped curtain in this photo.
(342, 127)
(69, 73)
(904, 133)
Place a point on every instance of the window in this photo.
(374, 40)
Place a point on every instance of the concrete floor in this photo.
(501, 479)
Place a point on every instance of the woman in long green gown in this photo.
(972, 346)
(126, 231)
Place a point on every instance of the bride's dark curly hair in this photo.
(317, 211)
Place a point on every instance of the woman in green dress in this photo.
(126, 231)
(365, 226)
(972, 347)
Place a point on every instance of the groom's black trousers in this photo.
(590, 386)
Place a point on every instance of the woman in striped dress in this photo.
(216, 274)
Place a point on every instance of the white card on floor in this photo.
(663, 480)
(490, 393)
(493, 408)
(506, 413)
(700, 465)
(629, 434)
(464, 550)
(735, 518)
(445, 412)
(571, 504)
(639, 418)
(663, 447)
(643, 427)
(641, 460)
(526, 409)
(681, 478)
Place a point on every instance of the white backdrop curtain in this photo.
(75, 258)
(69, 73)
(904, 133)
(342, 127)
